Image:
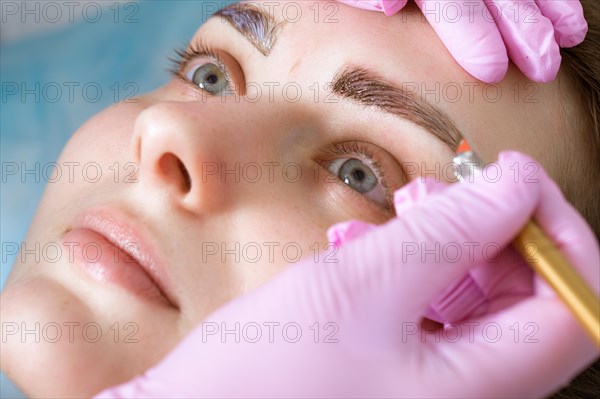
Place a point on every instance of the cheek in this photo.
(239, 252)
(105, 135)
(97, 156)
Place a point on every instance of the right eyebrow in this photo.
(254, 24)
(367, 88)
(358, 84)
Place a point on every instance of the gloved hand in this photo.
(352, 327)
(480, 33)
(483, 289)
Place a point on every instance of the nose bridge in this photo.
(211, 127)
(178, 144)
(168, 127)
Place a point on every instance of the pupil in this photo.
(212, 79)
(359, 174)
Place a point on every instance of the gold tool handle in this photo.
(543, 256)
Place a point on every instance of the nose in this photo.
(172, 146)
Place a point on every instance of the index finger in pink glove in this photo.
(474, 41)
(570, 26)
(528, 36)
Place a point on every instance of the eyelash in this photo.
(351, 149)
(197, 49)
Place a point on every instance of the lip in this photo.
(122, 255)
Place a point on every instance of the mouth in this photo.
(110, 249)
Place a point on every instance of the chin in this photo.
(56, 345)
(36, 352)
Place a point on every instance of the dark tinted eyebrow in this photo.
(366, 87)
(355, 83)
(254, 24)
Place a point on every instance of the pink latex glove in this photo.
(481, 35)
(374, 298)
(482, 289)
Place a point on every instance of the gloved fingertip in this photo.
(488, 69)
(519, 168)
(568, 19)
(335, 234)
(540, 63)
(415, 191)
(509, 183)
(434, 315)
(343, 232)
(391, 7)
(542, 72)
(572, 40)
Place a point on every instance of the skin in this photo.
(178, 119)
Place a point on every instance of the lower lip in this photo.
(107, 263)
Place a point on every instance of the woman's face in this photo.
(218, 183)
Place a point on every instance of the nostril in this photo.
(186, 177)
(175, 171)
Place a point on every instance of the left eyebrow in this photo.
(368, 88)
(254, 24)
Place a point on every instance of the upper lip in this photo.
(119, 229)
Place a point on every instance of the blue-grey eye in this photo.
(210, 77)
(360, 177)
(357, 175)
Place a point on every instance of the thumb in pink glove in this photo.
(481, 35)
(354, 321)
